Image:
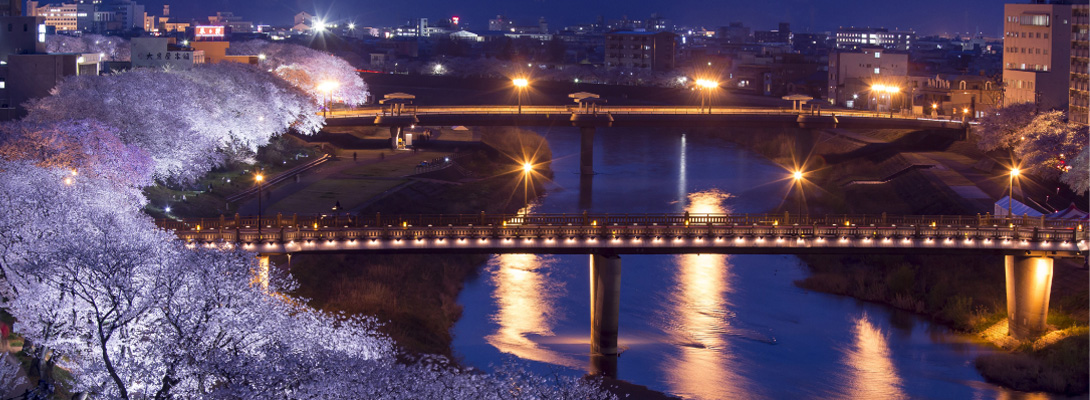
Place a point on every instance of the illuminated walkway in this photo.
(1029, 245)
(641, 234)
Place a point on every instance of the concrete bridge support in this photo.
(605, 303)
(1029, 286)
(586, 150)
(261, 275)
(395, 134)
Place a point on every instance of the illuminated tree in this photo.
(1047, 144)
(306, 68)
(1078, 177)
(110, 48)
(1001, 129)
(207, 108)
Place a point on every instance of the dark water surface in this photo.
(702, 326)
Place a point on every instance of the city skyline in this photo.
(926, 17)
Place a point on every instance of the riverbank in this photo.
(966, 293)
(417, 294)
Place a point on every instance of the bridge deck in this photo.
(622, 115)
(641, 234)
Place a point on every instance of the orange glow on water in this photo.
(525, 300)
(704, 367)
(870, 370)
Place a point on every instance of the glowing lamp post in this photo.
(520, 85)
(797, 176)
(259, 178)
(889, 92)
(328, 87)
(705, 86)
(1010, 200)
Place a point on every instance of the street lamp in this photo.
(705, 86)
(520, 85)
(1010, 199)
(258, 178)
(328, 87)
(797, 176)
(889, 90)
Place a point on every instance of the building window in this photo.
(876, 71)
(1034, 20)
(961, 85)
(877, 54)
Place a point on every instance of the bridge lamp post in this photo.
(520, 85)
(527, 170)
(259, 178)
(328, 87)
(1010, 199)
(797, 176)
(705, 86)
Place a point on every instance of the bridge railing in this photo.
(668, 232)
(504, 220)
(615, 110)
(886, 228)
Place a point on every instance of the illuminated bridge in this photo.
(1029, 244)
(639, 234)
(589, 113)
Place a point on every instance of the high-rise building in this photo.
(11, 8)
(1080, 64)
(856, 38)
(61, 16)
(656, 51)
(853, 73)
(1037, 51)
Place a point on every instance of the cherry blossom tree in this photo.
(110, 48)
(1047, 144)
(208, 108)
(306, 69)
(82, 146)
(1001, 129)
(1078, 177)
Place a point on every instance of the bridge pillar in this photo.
(395, 133)
(1029, 286)
(261, 275)
(605, 303)
(586, 150)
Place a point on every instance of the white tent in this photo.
(1017, 208)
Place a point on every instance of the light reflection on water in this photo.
(704, 366)
(870, 370)
(525, 307)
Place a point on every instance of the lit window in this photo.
(877, 54)
(876, 71)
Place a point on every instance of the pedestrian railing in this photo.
(281, 229)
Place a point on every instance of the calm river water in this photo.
(702, 326)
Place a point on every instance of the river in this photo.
(702, 326)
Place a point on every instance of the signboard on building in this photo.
(209, 32)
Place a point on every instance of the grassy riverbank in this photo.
(966, 293)
(417, 294)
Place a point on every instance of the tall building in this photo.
(1080, 64)
(656, 51)
(856, 38)
(781, 35)
(21, 35)
(62, 16)
(853, 73)
(1037, 54)
(11, 8)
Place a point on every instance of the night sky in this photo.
(925, 16)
